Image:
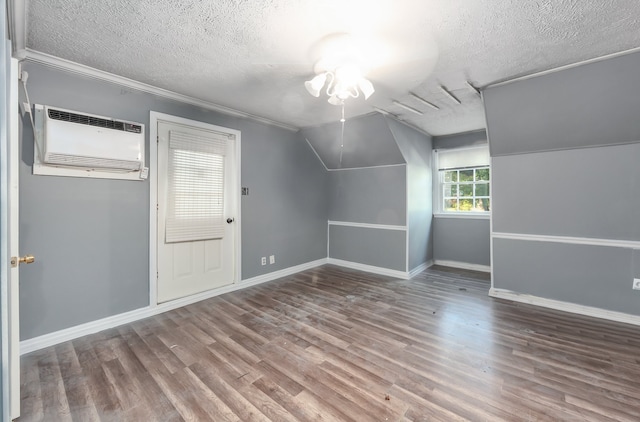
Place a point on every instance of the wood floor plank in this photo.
(291, 403)
(102, 392)
(31, 404)
(81, 404)
(334, 344)
(54, 397)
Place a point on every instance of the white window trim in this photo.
(438, 198)
(477, 215)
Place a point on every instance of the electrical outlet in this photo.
(272, 259)
(263, 260)
(636, 284)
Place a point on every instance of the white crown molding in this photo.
(565, 306)
(67, 334)
(69, 66)
(561, 68)
(463, 265)
(633, 244)
(367, 225)
(17, 20)
(369, 268)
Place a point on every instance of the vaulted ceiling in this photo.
(254, 56)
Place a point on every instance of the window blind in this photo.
(464, 157)
(195, 187)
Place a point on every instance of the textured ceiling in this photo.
(254, 56)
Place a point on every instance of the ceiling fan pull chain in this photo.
(342, 120)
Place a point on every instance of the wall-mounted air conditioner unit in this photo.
(74, 139)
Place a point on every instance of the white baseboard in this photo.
(51, 339)
(565, 306)
(420, 268)
(369, 268)
(463, 265)
(281, 273)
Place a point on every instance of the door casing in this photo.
(14, 247)
(154, 117)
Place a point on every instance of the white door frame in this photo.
(13, 164)
(9, 245)
(154, 117)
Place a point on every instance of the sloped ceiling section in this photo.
(368, 142)
(595, 104)
(460, 140)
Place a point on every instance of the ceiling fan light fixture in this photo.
(335, 100)
(341, 83)
(314, 86)
(366, 87)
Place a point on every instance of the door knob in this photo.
(229, 220)
(27, 259)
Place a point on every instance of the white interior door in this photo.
(190, 191)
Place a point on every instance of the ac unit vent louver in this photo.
(84, 119)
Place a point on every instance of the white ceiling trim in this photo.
(67, 65)
(565, 67)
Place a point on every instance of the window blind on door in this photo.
(195, 187)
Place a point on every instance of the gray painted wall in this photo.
(416, 149)
(577, 191)
(367, 142)
(589, 105)
(285, 213)
(462, 240)
(386, 195)
(597, 276)
(376, 195)
(91, 236)
(589, 192)
(378, 247)
(460, 140)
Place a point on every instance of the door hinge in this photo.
(157, 207)
(157, 139)
(157, 275)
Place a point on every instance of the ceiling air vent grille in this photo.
(83, 119)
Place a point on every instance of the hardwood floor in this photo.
(331, 344)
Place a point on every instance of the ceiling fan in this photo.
(341, 68)
(356, 66)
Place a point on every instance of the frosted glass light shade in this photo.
(366, 87)
(334, 100)
(315, 85)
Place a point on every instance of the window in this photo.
(466, 190)
(464, 176)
